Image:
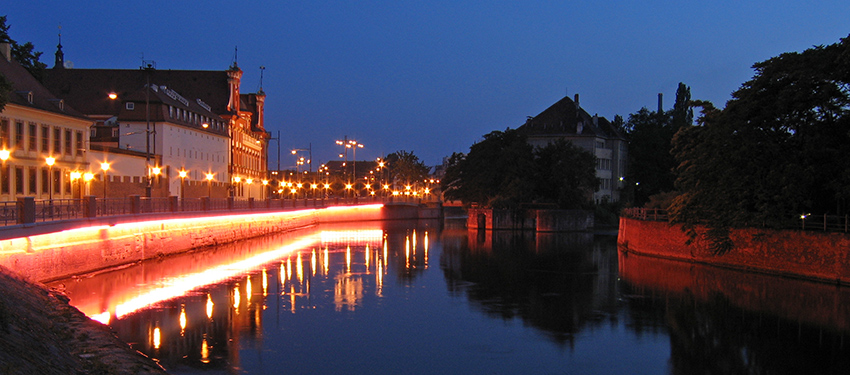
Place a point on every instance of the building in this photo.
(567, 120)
(36, 128)
(197, 122)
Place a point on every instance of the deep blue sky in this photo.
(432, 76)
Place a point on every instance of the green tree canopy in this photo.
(650, 135)
(406, 168)
(503, 171)
(24, 54)
(780, 148)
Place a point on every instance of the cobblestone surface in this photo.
(40, 333)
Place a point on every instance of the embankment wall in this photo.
(810, 255)
(50, 256)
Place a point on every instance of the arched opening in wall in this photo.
(482, 221)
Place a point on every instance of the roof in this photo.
(87, 89)
(563, 118)
(23, 83)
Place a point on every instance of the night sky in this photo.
(432, 77)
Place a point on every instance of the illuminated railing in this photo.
(27, 210)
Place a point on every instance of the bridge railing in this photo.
(28, 210)
(808, 222)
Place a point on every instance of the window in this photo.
(57, 141)
(130, 106)
(19, 133)
(68, 141)
(4, 180)
(45, 139)
(32, 137)
(45, 175)
(19, 180)
(79, 144)
(57, 178)
(32, 177)
(4, 133)
(170, 112)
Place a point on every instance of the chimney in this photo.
(576, 100)
(660, 108)
(6, 50)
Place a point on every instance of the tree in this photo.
(24, 54)
(495, 173)
(650, 134)
(781, 147)
(504, 171)
(566, 175)
(406, 168)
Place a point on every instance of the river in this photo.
(407, 297)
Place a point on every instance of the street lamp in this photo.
(88, 176)
(182, 175)
(4, 155)
(249, 182)
(76, 176)
(236, 181)
(156, 172)
(262, 192)
(209, 181)
(104, 167)
(50, 161)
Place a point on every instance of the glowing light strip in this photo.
(374, 236)
(179, 286)
(365, 206)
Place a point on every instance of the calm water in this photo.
(415, 298)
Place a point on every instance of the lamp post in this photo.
(104, 167)
(249, 181)
(156, 172)
(182, 175)
(209, 184)
(50, 161)
(88, 176)
(76, 176)
(262, 192)
(236, 181)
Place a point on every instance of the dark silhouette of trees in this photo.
(24, 54)
(780, 148)
(504, 171)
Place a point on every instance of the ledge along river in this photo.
(425, 297)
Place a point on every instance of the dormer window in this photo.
(130, 106)
(29, 97)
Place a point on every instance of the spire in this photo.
(59, 63)
(260, 90)
(235, 65)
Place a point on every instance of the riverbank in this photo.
(43, 334)
(816, 256)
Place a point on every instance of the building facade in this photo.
(567, 120)
(43, 140)
(195, 122)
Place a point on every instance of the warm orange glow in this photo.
(50, 160)
(76, 175)
(182, 320)
(104, 166)
(157, 338)
(237, 179)
(265, 182)
(88, 176)
(210, 176)
(205, 125)
(210, 306)
(182, 173)
(4, 154)
(180, 285)
(205, 351)
(348, 186)
(156, 171)
(112, 96)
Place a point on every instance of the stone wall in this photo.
(45, 257)
(805, 254)
(541, 220)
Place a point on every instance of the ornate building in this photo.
(172, 120)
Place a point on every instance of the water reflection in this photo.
(726, 321)
(201, 308)
(364, 298)
(560, 283)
